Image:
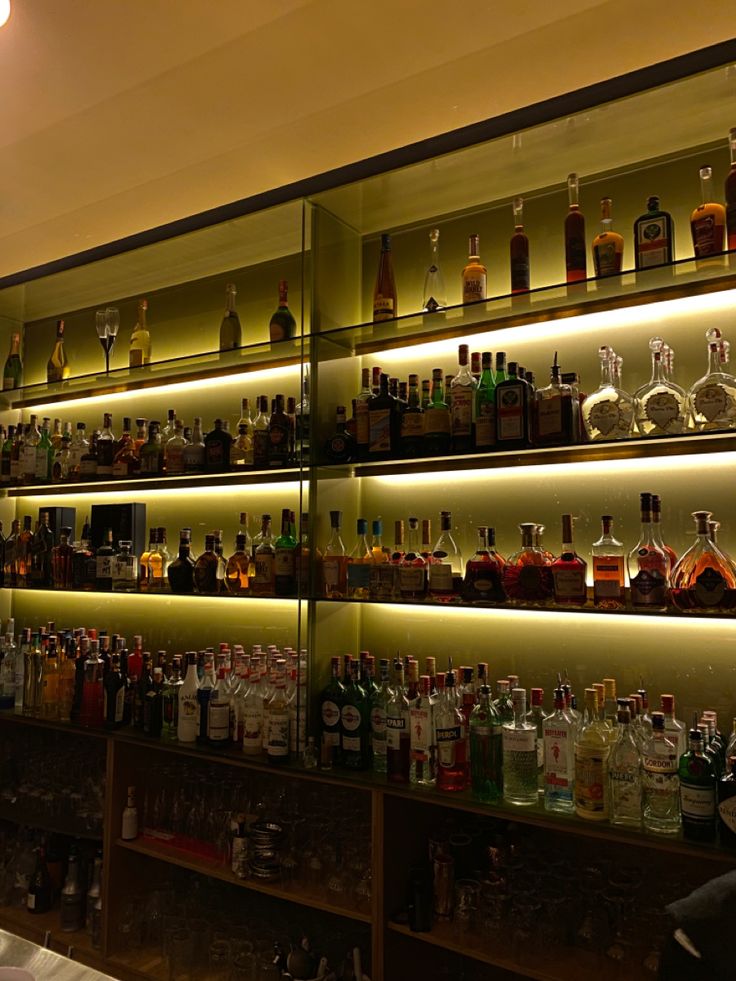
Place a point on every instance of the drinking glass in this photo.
(107, 324)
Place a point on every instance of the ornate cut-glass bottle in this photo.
(704, 579)
(713, 397)
(519, 251)
(660, 406)
(435, 297)
(608, 412)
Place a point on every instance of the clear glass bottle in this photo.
(435, 296)
(592, 754)
(624, 772)
(463, 390)
(334, 561)
(359, 564)
(413, 567)
(608, 245)
(660, 406)
(660, 781)
(423, 747)
(649, 565)
(555, 415)
(608, 412)
(712, 398)
(125, 570)
(451, 739)
(609, 573)
(704, 579)
(231, 334)
(193, 454)
(446, 566)
(139, 352)
(559, 731)
(520, 767)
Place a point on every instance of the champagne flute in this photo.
(107, 324)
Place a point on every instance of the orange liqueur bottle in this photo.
(708, 220)
(608, 246)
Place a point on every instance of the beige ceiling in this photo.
(118, 115)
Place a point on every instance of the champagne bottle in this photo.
(283, 325)
(57, 368)
(139, 352)
(231, 334)
(13, 372)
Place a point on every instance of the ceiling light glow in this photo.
(4, 12)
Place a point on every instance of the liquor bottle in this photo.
(78, 449)
(241, 450)
(421, 723)
(555, 416)
(355, 724)
(105, 447)
(218, 710)
(170, 702)
(463, 387)
(592, 754)
(279, 430)
(331, 701)
(559, 731)
(413, 568)
(483, 584)
(446, 567)
(730, 193)
(451, 738)
(71, 899)
(485, 407)
(654, 237)
(712, 399)
(113, 697)
(13, 370)
(40, 896)
(126, 461)
(608, 246)
(536, 716)
(48, 696)
(697, 790)
(205, 569)
(359, 564)
(380, 697)
(217, 444)
(575, 247)
(657, 530)
(708, 220)
(57, 367)
(704, 579)
(340, 446)
(105, 557)
(91, 713)
(125, 570)
(411, 435)
(237, 570)
(474, 273)
(263, 583)
(609, 583)
(362, 422)
(27, 473)
(187, 726)
(384, 420)
(519, 755)
(519, 250)
(608, 412)
(649, 565)
(486, 750)
(282, 326)
(435, 297)
(660, 406)
(624, 773)
(727, 805)
(398, 738)
(180, 572)
(568, 570)
(675, 730)
(526, 576)
(277, 719)
(231, 334)
(194, 453)
(5, 457)
(660, 781)
(284, 560)
(334, 561)
(139, 352)
(437, 420)
(385, 300)
(512, 411)
(260, 434)
(173, 451)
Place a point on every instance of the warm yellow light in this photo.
(131, 494)
(196, 602)
(4, 12)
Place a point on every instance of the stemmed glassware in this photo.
(107, 324)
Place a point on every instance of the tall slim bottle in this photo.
(385, 299)
(187, 726)
(519, 251)
(576, 268)
(231, 334)
(139, 352)
(486, 749)
(435, 297)
(708, 220)
(730, 193)
(57, 368)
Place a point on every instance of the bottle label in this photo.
(278, 734)
(123, 568)
(284, 562)
(591, 780)
(379, 431)
(462, 410)
(697, 802)
(519, 740)
(395, 727)
(29, 460)
(331, 571)
(174, 460)
(608, 576)
(712, 402)
(260, 447)
(707, 235)
(569, 583)
(520, 273)
(359, 576)
(350, 718)
(510, 411)
(648, 588)
(447, 740)
(710, 587)
(382, 580)
(104, 566)
(135, 357)
(188, 714)
(485, 426)
(330, 714)
(421, 733)
(440, 577)
(383, 307)
(608, 259)
(437, 421)
(605, 417)
(378, 722)
(549, 416)
(412, 425)
(411, 579)
(575, 252)
(474, 287)
(120, 703)
(558, 765)
(253, 728)
(727, 811)
(88, 468)
(264, 569)
(218, 720)
(278, 441)
(42, 464)
(362, 422)
(652, 242)
(662, 409)
(119, 468)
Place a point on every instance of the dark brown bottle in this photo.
(576, 268)
(512, 412)
(384, 424)
(217, 449)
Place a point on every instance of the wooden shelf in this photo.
(557, 964)
(163, 852)
(12, 718)
(148, 484)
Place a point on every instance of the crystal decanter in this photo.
(609, 411)
(660, 406)
(712, 398)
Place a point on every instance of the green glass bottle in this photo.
(13, 371)
(697, 790)
(283, 325)
(355, 724)
(437, 423)
(486, 751)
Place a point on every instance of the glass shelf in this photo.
(173, 371)
(150, 484)
(684, 278)
(163, 595)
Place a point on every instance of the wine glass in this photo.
(107, 324)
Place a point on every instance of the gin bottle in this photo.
(435, 297)
(608, 412)
(520, 755)
(380, 700)
(558, 734)
(421, 721)
(697, 790)
(624, 773)
(660, 406)
(486, 749)
(660, 782)
(592, 755)
(398, 736)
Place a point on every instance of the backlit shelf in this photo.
(183, 598)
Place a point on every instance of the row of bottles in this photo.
(647, 577)
(712, 227)
(282, 327)
(255, 701)
(614, 761)
(34, 453)
(482, 408)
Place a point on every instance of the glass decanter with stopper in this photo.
(704, 579)
(660, 406)
(608, 412)
(712, 398)
(435, 295)
(527, 577)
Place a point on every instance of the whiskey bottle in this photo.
(113, 695)
(139, 352)
(217, 449)
(608, 246)
(279, 433)
(519, 250)
(265, 554)
(512, 411)
(104, 562)
(435, 297)
(730, 193)
(609, 584)
(231, 334)
(384, 422)
(126, 461)
(13, 370)
(385, 300)
(463, 389)
(282, 326)
(57, 368)
(284, 560)
(173, 451)
(474, 273)
(649, 565)
(125, 569)
(654, 237)
(105, 449)
(575, 243)
(708, 220)
(568, 570)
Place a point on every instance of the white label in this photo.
(440, 577)
(331, 572)
(447, 740)
(351, 743)
(421, 733)
(188, 722)
(378, 722)
(559, 768)
(42, 464)
(462, 410)
(278, 734)
(174, 460)
(29, 459)
(697, 802)
(218, 720)
(31, 901)
(350, 718)
(727, 810)
(104, 566)
(520, 741)
(395, 727)
(130, 824)
(662, 409)
(330, 714)
(379, 431)
(284, 562)
(549, 416)
(253, 728)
